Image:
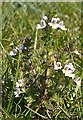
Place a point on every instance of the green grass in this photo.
(49, 93)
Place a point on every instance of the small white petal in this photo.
(76, 52)
(78, 81)
(72, 76)
(45, 17)
(50, 24)
(38, 26)
(17, 95)
(63, 27)
(13, 52)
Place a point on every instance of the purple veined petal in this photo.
(41, 25)
(54, 20)
(61, 23)
(61, 26)
(71, 66)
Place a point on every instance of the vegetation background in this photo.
(45, 96)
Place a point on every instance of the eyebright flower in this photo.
(56, 23)
(68, 70)
(13, 52)
(78, 81)
(17, 92)
(57, 65)
(41, 25)
(19, 83)
(76, 52)
(20, 88)
(53, 23)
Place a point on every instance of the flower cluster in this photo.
(55, 23)
(20, 88)
(68, 69)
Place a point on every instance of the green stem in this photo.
(5, 112)
(35, 44)
(64, 111)
(11, 96)
(37, 113)
(58, 113)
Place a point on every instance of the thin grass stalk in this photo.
(37, 113)
(35, 44)
(11, 96)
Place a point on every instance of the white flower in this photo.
(76, 52)
(68, 70)
(53, 23)
(57, 65)
(17, 92)
(41, 25)
(19, 83)
(45, 17)
(56, 23)
(13, 52)
(77, 81)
